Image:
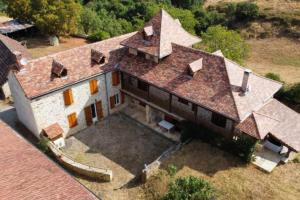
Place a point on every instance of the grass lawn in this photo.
(277, 55)
(39, 46)
(278, 8)
(231, 178)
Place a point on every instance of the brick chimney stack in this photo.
(245, 84)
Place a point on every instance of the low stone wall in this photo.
(81, 169)
(153, 167)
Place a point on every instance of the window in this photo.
(94, 86)
(115, 78)
(183, 101)
(143, 86)
(218, 120)
(114, 100)
(68, 97)
(72, 118)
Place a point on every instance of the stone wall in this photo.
(81, 169)
(22, 105)
(51, 108)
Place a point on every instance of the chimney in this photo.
(245, 84)
(148, 32)
(20, 60)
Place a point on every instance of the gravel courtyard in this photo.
(117, 143)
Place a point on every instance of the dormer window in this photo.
(97, 56)
(195, 67)
(148, 32)
(58, 69)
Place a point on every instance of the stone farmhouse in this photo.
(157, 72)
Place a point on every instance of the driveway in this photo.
(120, 144)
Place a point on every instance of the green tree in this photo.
(189, 188)
(56, 17)
(51, 17)
(20, 9)
(187, 4)
(89, 20)
(229, 42)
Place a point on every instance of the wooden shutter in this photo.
(72, 118)
(94, 86)
(68, 97)
(99, 110)
(115, 78)
(88, 115)
(112, 102)
(122, 97)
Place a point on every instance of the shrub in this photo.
(43, 144)
(245, 147)
(102, 35)
(292, 93)
(273, 76)
(190, 188)
(172, 170)
(246, 11)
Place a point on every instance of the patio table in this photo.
(166, 125)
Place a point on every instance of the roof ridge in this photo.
(211, 54)
(78, 47)
(231, 91)
(256, 74)
(256, 126)
(256, 112)
(161, 15)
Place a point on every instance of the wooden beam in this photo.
(170, 102)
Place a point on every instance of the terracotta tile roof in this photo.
(262, 89)
(249, 127)
(53, 132)
(36, 78)
(278, 120)
(209, 87)
(26, 173)
(7, 58)
(166, 31)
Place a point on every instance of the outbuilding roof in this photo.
(276, 119)
(26, 173)
(7, 57)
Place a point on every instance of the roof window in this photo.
(97, 56)
(58, 69)
(195, 66)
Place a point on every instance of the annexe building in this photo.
(157, 70)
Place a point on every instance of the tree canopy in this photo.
(51, 17)
(229, 42)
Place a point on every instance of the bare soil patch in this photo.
(277, 55)
(232, 178)
(39, 46)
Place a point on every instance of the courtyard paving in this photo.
(120, 144)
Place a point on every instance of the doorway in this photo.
(94, 112)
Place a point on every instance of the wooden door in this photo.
(88, 116)
(99, 110)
